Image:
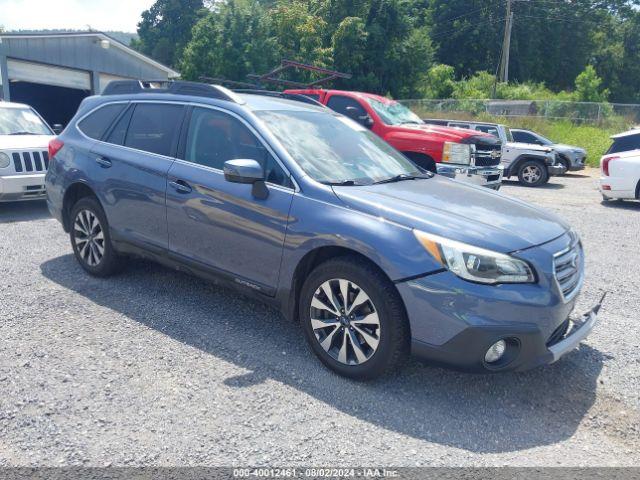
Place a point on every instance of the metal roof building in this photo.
(54, 72)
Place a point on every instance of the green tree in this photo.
(588, 87)
(165, 29)
(438, 82)
(230, 43)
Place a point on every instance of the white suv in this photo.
(620, 167)
(24, 157)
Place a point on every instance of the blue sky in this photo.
(74, 14)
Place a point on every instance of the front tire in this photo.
(532, 173)
(353, 319)
(90, 239)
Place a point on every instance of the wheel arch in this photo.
(72, 194)
(311, 260)
(422, 160)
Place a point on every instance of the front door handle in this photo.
(180, 186)
(103, 162)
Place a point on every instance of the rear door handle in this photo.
(103, 162)
(180, 186)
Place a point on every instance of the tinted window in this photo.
(153, 127)
(96, 124)
(215, 137)
(625, 144)
(340, 103)
(524, 137)
(460, 125)
(487, 129)
(119, 130)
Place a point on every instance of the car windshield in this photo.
(333, 149)
(21, 121)
(393, 113)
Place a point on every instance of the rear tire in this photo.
(90, 239)
(362, 337)
(532, 173)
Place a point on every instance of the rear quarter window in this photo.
(97, 122)
(625, 144)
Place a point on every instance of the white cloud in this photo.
(73, 14)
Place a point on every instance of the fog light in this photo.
(495, 352)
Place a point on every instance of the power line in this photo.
(477, 24)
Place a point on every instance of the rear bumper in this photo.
(617, 187)
(22, 187)
(490, 177)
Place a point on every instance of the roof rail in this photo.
(298, 97)
(176, 87)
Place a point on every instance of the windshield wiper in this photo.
(409, 121)
(344, 183)
(23, 133)
(404, 176)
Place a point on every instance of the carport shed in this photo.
(54, 72)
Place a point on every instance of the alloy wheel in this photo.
(89, 237)
(531, 174)
(345, 321)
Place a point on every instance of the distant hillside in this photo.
(123, 37)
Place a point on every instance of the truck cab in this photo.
(472, 157)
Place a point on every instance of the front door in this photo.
(220, 225)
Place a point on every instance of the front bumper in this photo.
(22, 187)
(578, 164)
(556, 169)
(490, 177)
(527, 347)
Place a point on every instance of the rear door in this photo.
(131, 166)
(218, 225)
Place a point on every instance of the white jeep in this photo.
(24, 157)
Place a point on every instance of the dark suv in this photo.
(311, 212)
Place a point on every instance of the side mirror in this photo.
(249, 171)
(355, 114)
(57, 128)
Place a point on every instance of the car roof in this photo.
(4, 104)
(633, 131)
(258, 102)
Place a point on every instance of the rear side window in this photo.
(487, 129)
(96, 123)
(340, 103)
(625, 144)
(153, 128)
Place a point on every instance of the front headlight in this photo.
(476, 264)
(456, 153)
(4, 160)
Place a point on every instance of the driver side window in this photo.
(215, 137)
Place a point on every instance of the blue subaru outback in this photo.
(311, 212)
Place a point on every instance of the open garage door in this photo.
(54, 92)
(48, 75)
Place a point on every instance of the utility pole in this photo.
(506, 44)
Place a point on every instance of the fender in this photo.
(512, 169)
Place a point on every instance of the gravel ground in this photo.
(153, 367)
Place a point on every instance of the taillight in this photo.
(605, 165)
(54, 147)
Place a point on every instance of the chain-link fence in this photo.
(578, 112)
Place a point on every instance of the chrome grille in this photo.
(568, 269)
(34, 161)
(487, 155)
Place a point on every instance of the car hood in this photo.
(24, 142)
(449, 134)
(528, 146)
(451, 209)
(562, 147)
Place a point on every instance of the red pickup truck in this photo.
(462, 154)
